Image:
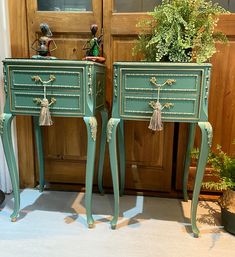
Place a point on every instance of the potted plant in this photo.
(180, 31)
(222, 179)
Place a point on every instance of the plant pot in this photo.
(227, 203)
(228, 220)
(2, 197)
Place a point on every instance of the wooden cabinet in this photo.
(77, 89)
(158, 86)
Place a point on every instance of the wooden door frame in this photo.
(110, 19)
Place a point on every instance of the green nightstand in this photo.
(74, 89)
(183, 90)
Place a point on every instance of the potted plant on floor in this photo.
(2, 197)
(222, 179)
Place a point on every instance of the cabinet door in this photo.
(65, 143)
(148, 155)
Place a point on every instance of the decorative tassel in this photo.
(156, 119)
(45, 116)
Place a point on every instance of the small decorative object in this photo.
(45, 116)
(93, 46)
(223, 179)
(44, 43)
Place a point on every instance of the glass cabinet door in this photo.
(148, 5)
(65, 5)
(135, 5)
(227, 4)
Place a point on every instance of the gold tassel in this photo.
(156, 119)
(45, 116)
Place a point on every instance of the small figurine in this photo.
(44, 43)
(93, 46)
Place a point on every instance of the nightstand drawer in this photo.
(170, 80)
(54, 77)
(174, 108)
(69, 103)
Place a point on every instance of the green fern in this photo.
(180, 31)
(223, 169)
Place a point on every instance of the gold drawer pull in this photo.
(38, 79)
(39, 101)
(168, 82)
(166, 105)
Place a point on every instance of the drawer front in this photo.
(179, 90)
(185, 81)
(65, 84)
(174, 108)
(67, 103)
(52, 77)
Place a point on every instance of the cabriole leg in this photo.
(111, 138)
(206, 139)
(121, 148)
(104, 116)
(192, 127)
(91, 125)
(39, 146)
(5, 131)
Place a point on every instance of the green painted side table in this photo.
(73, 89)
(182, 90)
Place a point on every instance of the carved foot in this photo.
(92, 225)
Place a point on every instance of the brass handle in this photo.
(39, 101)
(168, 82)
(166, 105)
(38, 79)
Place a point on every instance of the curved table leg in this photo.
(121, 148)
(5, 131)
(39, 146)
(206, 139)
(91, 124)
(111, 138)
(104, 115)
(192, 127)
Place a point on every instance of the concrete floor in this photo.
(53, 223)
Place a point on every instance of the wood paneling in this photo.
(65, 142)
(148, 155)
(19, 49)
(221, 100)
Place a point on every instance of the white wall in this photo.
(5, 183)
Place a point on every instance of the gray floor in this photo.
(53, 224)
